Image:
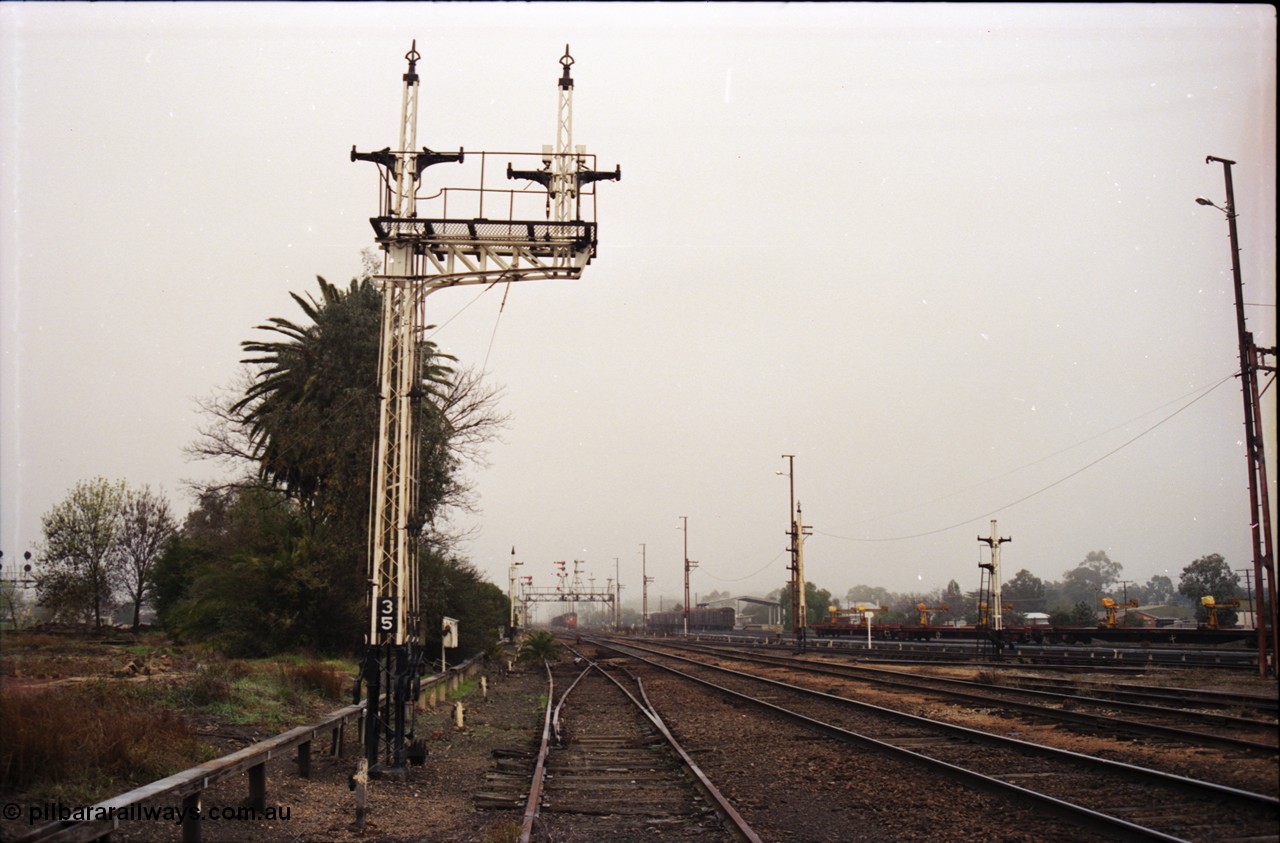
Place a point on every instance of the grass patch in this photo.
(465, 688)
(268, 694)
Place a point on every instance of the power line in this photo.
(748, 576)
(484, 367)
(1043, 489)
(1045, 458)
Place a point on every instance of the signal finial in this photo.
(412, 57)
(566, 61)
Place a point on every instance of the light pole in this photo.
(1252, 359)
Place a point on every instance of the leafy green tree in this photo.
(1210, 576)
(954, 597)
(816, 602)
(1090, 579)
(303, 425)
(452, 587)
(1081, 614)
(1025, 591)
(81, 563)
(232, 577)
(1158, 590)
(873, 595)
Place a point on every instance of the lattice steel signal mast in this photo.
(449, 246)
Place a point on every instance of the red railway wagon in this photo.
(569, 620)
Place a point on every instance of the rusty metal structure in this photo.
(1253, 361)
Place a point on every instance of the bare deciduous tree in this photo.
(146, 526)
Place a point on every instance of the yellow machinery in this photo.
(984, 612)
(926, 611)
(1214, 607)
(1111, 606)
(853, 616)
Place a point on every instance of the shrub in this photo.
(318, 678)
(539, 646)
(213, 683)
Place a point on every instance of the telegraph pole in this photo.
(617, 599)
(1253, 359)
(688, 566)
(1248, 591)
(797, 533)
(645, 579)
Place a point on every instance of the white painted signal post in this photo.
(475, 233)
(995, 611)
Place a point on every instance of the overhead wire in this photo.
(1042, 489)
(461, 310)
(484, 367)
(1059, 452)
(766, 566)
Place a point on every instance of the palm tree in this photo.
(311, 411)
(539, 646)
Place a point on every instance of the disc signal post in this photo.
(449, 237)
(995, 616)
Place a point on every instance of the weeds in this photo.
(319, 678)
(97, 730)
(989, 677)
(508, 832)
(210, 685)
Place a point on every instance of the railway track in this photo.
(1253, 704)
(1058, 656)
(1119, 800)
(1162, 713)
(609, 769)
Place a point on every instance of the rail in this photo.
(735, 824)
(535, 787)
(189, 785)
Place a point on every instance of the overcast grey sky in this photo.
(946, 255)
